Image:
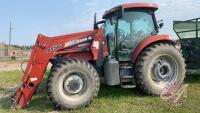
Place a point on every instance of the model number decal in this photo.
(73, 42)
(54, 48)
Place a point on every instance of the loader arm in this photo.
(44, 49)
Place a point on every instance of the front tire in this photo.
(72, 84)
(157, 66)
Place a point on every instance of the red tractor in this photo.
(124, 48)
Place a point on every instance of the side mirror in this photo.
(97, 23)
(100, 22)
(161, 25)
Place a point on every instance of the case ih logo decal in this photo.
(54, 48)
(175, 93)
(73, 42)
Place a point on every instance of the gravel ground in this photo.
(13, 66)
(9, 66)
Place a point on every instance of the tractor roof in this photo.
(131, 6)
(140, 5)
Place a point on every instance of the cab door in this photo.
(189, 39)
(110, 36)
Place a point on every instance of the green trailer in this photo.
(188, 33)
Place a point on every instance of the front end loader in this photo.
(47, 48)
(124, 48)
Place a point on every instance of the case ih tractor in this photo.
(124, 48)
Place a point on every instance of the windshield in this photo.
(110, 35)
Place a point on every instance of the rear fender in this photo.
(149, 41)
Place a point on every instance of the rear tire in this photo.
(72, 84)
(157, 66)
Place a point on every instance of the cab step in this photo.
(128, 86)
(127, 81)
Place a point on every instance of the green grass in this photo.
(109, 100)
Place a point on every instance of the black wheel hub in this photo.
(74, 85)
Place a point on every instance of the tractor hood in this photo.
(75, 38)
(76, 35)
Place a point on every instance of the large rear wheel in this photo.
(72, 84)
(157, 66)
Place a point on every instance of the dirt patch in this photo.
(13, 66)
(9, 66)
(6, 93)
(54, 112)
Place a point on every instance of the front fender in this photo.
(148, 41)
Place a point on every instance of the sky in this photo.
(59, 17)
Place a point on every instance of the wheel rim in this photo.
(164, 70)
(74, 83)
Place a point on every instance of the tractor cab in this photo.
(189, 38)
(126, 26)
